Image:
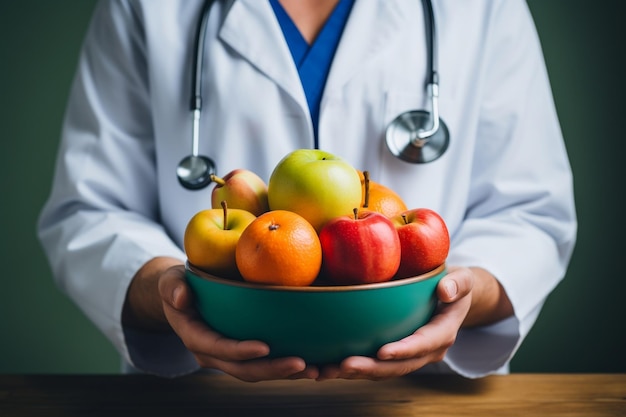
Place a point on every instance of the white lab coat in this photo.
(504, 186)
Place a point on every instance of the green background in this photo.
(582, 326)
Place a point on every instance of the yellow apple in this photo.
(211, 238)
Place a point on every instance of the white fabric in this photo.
(504, 187)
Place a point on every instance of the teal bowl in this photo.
(321, 324)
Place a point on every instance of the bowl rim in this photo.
(314, 288)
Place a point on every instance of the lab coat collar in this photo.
(368, 31)
(251, 29)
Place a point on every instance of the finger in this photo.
(212, 350)
(428, 344)
(195, 334)
(439, 333)
(174, 290)
(329, 372)
(310, 372)
(361, 367)
(267, 369)
(202, 340)
(204, 343)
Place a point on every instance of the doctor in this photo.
(285, 74)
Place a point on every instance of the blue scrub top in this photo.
(313, 61)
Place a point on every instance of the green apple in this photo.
(241, 189)
(211, 238)
(316, 184)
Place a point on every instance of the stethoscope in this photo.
(415, 136)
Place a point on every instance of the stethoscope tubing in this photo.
(407, 137)
(196, 78)
(432, 76)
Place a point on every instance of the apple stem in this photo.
(225, 209)
(217, 180)
(356, 213)
(366, 182)
(406, 221)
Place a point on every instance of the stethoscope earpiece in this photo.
(404, 141)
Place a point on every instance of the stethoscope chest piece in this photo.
(404, 142)
(194, 171)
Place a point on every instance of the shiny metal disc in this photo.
(403, 142)
(194, 172)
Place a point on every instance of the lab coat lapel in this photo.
(372, 25)
(247, 31)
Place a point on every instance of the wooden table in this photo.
(585, 395)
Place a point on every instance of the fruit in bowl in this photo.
(327, 270)
(360, 249)
(315, 184)
(279, 248)
(424, 241)
(379, 198)
(321, 324)
(211, 238)
(241, 189)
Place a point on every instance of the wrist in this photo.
(490, 303)
(143, 308)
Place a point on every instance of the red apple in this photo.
(241, 189)
(424, 240)
(360, 249)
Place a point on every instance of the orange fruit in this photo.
(379, 198)
(279, 248)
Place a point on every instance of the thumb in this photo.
(455, 285)
(448, 290)
(174, 290)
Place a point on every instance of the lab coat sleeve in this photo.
(100, 223)
(520, 223)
